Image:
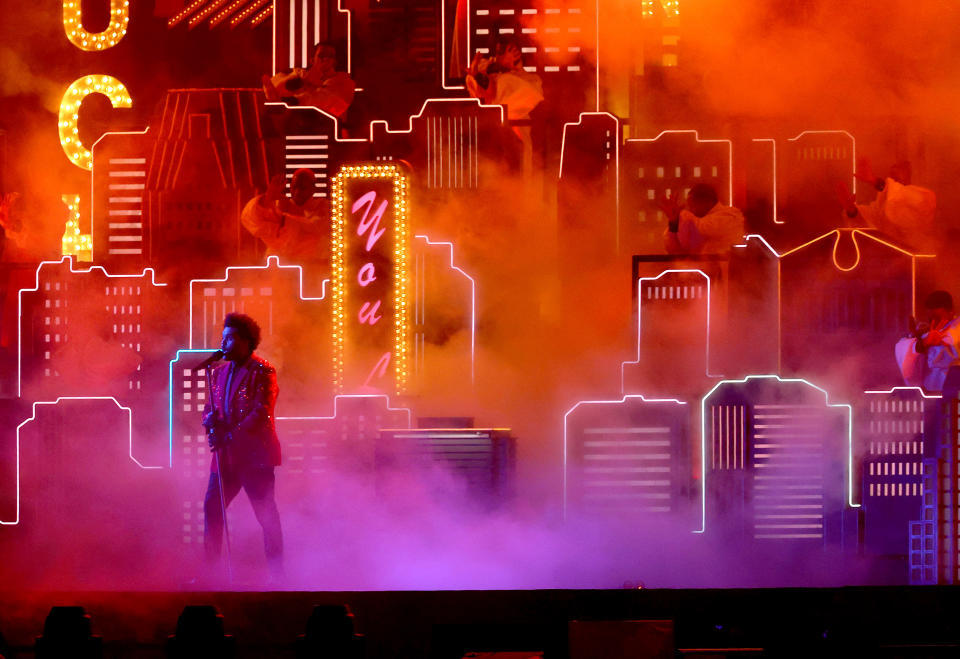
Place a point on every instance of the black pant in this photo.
(258, 483)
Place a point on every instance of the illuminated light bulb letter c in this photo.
(78, 90)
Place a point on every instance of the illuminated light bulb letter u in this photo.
(94, 41)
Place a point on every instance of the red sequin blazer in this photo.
(253, 396)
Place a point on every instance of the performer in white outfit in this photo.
(928, 353)
(321, 85)
(902, 210)
(501, 80)
(703, 225)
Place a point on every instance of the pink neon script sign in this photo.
(369, 261)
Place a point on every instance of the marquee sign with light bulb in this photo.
(370, 279)
(75, 243)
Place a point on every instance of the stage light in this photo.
(183, 13)
(79, 37)
(200, 634)
(247, 12)
(67, 633)
(262, 16)
(330, 632)
(73, 243)
(671, 8)
(78, 90)
(205, 12)
(226, 11)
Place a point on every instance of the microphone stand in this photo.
(223, 501)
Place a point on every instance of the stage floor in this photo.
(889, 621)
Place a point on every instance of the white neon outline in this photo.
(776, 218)
(696, 135)
(36, 287)
(293, 34)
(383, 122)
(596, 23)
(93, 163)
(176, 358)
(616, 164)
(443, 44)
(640, 281)
(279, 418)
(33, 417)
(762, 240)
(341, 10)
(303, 35)
(891, 390)
(853, 174)
(865, 231)
(336, 400)
(273, 261)
(473, 301)
(703, 437)
(596, 57)
(336, 122)
(349, 36)
(773, 143)
(600, 402)
(469, 31)
(419, 114)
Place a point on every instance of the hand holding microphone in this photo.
(215, 357)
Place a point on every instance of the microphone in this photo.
(217, 356)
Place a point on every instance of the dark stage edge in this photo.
(879, 621)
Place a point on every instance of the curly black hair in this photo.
(244, 324)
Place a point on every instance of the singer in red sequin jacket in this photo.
(253, 395)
